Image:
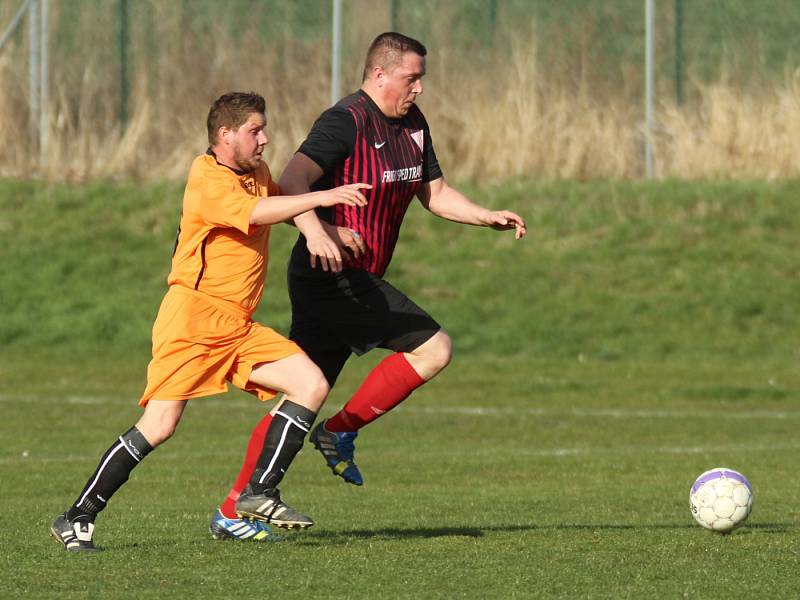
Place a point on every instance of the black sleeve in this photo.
(331, 140)
(430, 164)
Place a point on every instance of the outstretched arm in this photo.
(448, 203)
(275, 209)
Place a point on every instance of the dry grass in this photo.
(734, 134)
(494, 115)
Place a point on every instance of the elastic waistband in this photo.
(225, 306)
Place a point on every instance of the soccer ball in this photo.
(721, 499)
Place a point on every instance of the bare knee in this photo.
(297, 376)
(432, 356)
(310, 390)
(441, 352)
(156, 433)
(159, 421)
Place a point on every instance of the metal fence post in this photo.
(648, 89)
(336, 50)
(33, 68)
(44, 79)
(679, 51)
(124, 84)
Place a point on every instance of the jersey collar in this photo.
(371, 102)
(239, 173)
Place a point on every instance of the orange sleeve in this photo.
(220, 201)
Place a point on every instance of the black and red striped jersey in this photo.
(354, 142)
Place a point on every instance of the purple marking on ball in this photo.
(727, 473)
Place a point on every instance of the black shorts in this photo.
(352, 311)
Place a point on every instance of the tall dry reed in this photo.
(508, 112)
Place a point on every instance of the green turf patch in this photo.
(642, 334)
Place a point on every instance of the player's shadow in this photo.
(400, 533)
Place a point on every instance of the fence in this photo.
(515, 88)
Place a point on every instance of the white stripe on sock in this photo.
(277, 450)
(100, 471)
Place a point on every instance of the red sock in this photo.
(254, 447)
(387, 385)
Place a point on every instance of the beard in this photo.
(247, 163)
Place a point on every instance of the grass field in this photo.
(642, 334)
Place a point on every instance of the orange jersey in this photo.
(218, 252)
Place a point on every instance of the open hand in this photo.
(349, 194)
(325, 251)
(503, 220)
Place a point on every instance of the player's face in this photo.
(249, 142)
(403, 83)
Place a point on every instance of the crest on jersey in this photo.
(419, 138)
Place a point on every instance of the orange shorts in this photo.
(199, 342)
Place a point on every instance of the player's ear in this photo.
(378, 75)
(223, 134)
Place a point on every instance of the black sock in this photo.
(285, 435)
(114, 469)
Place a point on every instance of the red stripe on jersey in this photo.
(385, 156)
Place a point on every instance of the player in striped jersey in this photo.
(340, 302)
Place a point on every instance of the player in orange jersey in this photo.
(204, 334)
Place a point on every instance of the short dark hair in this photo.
(387, 50)
(232, 110)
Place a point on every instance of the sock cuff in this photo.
(399, 365)
(135, 443)
(300, 415)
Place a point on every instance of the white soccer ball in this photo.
(721, 499)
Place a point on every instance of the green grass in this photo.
(610, 271)
(642, 334)
(502, 478)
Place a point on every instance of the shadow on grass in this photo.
(400, 533)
